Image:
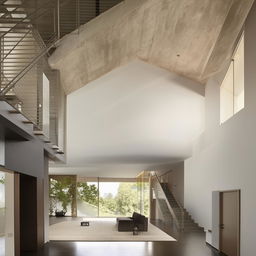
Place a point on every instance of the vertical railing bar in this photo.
(78, 14)
(97, 7)
(2, 59)
(98, 197)
(58, 18)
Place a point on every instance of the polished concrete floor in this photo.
(55, 220)
(188, 244)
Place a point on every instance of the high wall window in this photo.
(232, 87)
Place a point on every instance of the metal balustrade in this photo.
(172, 215)
(29, 31)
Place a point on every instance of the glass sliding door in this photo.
(98, 197)
(6, 214)
(117, 197)
(143, 191)
(87, 197)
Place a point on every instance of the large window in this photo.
(62, 194)
(232, 87)
(87, 197)
(118, 198)
(98, 197)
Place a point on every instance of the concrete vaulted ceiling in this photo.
(188, 37)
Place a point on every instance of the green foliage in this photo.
(127, 199)
(2, 180)
(64, 190)
(146, 199)
(108, 205)
(61, 191)
(123, 204)
(87, 193)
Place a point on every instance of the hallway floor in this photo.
(189, 244)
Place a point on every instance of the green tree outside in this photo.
(124, 203)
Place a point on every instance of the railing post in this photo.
(97, 7)
(78, 13)
(1, 64)
(58, 19)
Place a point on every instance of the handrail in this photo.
(177, 223)
(178, 203)
(44, 6)
(13, 82)
(39, 12)
(18, 42)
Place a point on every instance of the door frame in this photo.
(238, 219)
(16, 202)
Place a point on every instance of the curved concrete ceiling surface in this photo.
(188, 37)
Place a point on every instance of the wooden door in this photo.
(230, 223)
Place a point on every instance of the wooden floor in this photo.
(188, 244)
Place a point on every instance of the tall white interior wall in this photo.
(224, 157)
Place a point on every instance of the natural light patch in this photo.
(232, 87)
(102, 229)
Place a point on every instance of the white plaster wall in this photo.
(9, 214)
(46, 199)
(176, 182)
(46, 106)
(224, 156)
(138, 116)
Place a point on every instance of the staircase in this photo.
(21, 45)
(30, 28)
(29, 33)
(184, 218)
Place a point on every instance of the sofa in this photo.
(127, 224)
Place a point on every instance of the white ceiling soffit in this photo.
(138, 115)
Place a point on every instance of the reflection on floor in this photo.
(2, 246)
(188, 244)
(55, 220)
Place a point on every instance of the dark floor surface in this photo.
(188, 244)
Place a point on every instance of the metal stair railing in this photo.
(160, 195)
(14, 34)
(32, 16)
(12, 47)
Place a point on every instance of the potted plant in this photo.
(60, 193)
(60, 213)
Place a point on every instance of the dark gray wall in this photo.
(26, 157)
(2, 146)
